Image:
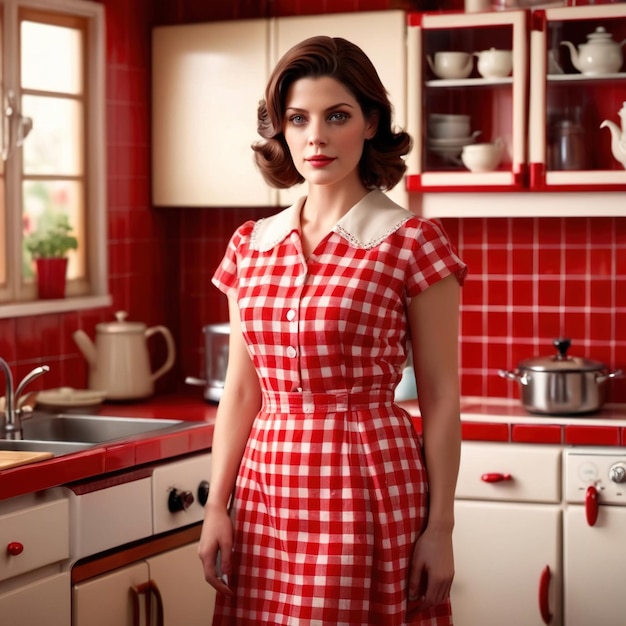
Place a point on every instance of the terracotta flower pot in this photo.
(51, 273)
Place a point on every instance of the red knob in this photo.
(14, 548)
(495, 477)
(591, 505)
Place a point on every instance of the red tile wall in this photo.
(530, 279)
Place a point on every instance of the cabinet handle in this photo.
(14, 548)
(148, 590)
(160, 616)
(495, 477)
(591, 505)
(544, 600)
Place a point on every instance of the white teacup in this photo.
(482, 157)
(494, 63)
(448, 126)
(451, 64)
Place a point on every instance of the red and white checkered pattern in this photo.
(332, 490)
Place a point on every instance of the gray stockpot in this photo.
(561, 384)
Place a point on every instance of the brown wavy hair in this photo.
(382, 164)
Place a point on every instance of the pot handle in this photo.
(600, 378)
(523, 379)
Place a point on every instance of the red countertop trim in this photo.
(486, 420)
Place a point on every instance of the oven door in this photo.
(594, 567)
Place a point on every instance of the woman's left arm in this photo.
(434, 322)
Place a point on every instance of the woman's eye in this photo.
(338, 117)
(298, 120)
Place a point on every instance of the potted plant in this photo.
(49, 245)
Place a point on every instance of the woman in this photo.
(334, 518)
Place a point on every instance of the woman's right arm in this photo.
(239, 405)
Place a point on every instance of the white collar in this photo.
(365, 225)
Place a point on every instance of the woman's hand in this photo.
(217, 538)
(432, 570)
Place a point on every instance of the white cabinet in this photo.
(207, 81)
(34, 535)
(594, 542)
(595, 567)
(507, 536)
(206, 84)
(45, 601)
(169, 587)
(381, 35)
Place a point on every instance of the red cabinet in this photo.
(496, 105)
(574, 87)
(547, 113)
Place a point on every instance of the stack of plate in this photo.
(449, 149)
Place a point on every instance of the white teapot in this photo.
(119, 361)
(618, 136)
(600, 55)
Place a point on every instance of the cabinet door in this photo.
(107, 600)
(187, 597)
(595, 568)
(46, 601)
(568, 149)
(495, 105)
(381, 35)
(207, 82)
(502, 550)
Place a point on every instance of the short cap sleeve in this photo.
(226, 276)
(433, 258)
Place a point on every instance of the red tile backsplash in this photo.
(530, 279)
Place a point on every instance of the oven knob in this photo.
(617, 473)
(203, 492)
(179, 500)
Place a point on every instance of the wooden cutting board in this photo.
(11, 458)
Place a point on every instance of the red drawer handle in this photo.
(544, 600)
(591, 505)
(495, 477)
(14, 548)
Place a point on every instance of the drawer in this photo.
(522, 473)
(40, 532)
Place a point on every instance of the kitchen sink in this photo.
(58, 448)
(94, 429)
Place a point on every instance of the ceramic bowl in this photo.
(481, 157)
(448, 126)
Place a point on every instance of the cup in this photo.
(494, 63)
(448, 126)
(451, 64)
(482, 157)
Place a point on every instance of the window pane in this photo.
(51, 58)
(3, 237)
(43, 200)
(55, 144)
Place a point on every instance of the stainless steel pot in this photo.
(216, 338)
(561, 384)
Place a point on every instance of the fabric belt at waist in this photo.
(308, 402)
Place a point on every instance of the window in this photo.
(53, 146)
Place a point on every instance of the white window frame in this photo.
(96, 206)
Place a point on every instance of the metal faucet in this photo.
(11, 425)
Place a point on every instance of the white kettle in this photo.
(119, 361)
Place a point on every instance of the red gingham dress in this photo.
(332, 490)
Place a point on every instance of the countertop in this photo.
(495, 420)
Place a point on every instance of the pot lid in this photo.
(121, 325)
(561, 361)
